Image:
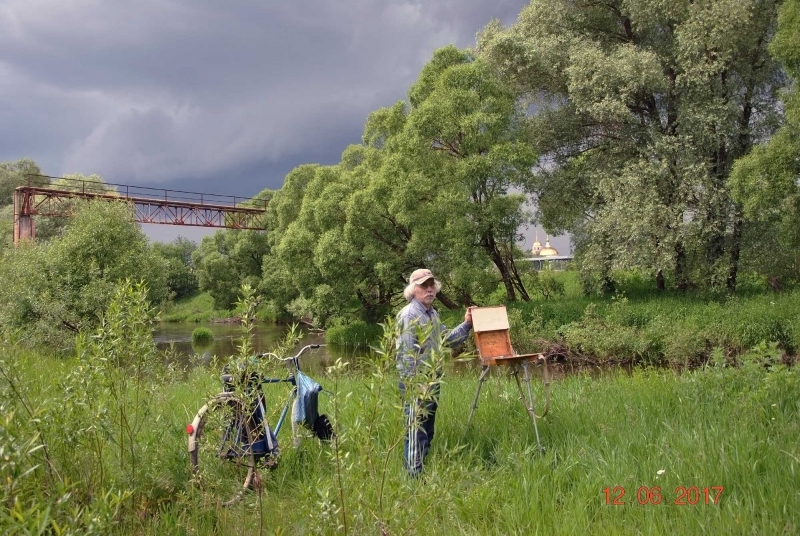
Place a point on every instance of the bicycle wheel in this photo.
(222, 460)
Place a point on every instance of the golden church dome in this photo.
(548, 250)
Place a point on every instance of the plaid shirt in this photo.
(410, 352)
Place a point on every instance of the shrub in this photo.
(201, 336)
(524, 333)
(356, 334)
(602, 338)
(52, 290)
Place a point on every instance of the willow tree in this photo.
(226, 260)
(640, 109)
(416, 215)
(767, 181)
(461, 148)
(315, 271)
(342, 246)
(429, 187)
(52, 289)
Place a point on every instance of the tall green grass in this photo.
(196, 308)
(356, 334)
(735, 427)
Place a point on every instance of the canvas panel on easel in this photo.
(489, 318)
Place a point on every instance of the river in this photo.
(266, 336)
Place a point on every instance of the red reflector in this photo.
(189, 429)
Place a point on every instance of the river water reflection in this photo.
(227, 337)
(267, 335)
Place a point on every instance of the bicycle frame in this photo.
(260, 407)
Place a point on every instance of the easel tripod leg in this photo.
(484, 373)
(530, 406)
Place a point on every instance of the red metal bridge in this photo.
(40, 197)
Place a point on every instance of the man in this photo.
(420, 334)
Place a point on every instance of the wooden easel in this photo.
(492, 337)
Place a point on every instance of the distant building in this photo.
(548, 250)
(547, 256)
(537, 246)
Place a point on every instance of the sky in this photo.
(209, 96)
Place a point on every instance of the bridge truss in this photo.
(151, 205)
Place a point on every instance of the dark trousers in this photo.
(420, 418)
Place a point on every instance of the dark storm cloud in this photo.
(201, 93)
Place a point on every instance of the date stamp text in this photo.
(684, 495)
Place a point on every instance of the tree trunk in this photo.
(367, 307)
(660, 280)
(447, 302)
(517, 279)
(736, 245)
(511, 295)
(681, 277)
(715, 246)
(488, 243)
(607, 285)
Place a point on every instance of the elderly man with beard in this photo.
(418, 320)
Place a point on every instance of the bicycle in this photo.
(230, 437)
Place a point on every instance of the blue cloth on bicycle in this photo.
(307, 400)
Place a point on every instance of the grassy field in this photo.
(734, 428)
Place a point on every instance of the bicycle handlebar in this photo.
(295, 357)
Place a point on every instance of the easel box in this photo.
(492, 336)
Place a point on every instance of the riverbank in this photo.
(196, 308)
(637, 325)
(640, 326)
(715, 450)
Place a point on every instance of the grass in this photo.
(196, 308)
(202, 336)
(95, 443)
(730, 427)
(356, 334)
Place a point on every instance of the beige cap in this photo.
(418, 277)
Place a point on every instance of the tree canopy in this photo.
(52, 289)
(662, 136)
(766, 182)
(640, 109)
(226, 259)
(181, 273)
(439, 182)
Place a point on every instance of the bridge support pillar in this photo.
(24, 225)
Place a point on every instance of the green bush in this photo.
(605, 340)
(51, 290)
(202, 336)
(526, 332)
(356, 334)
